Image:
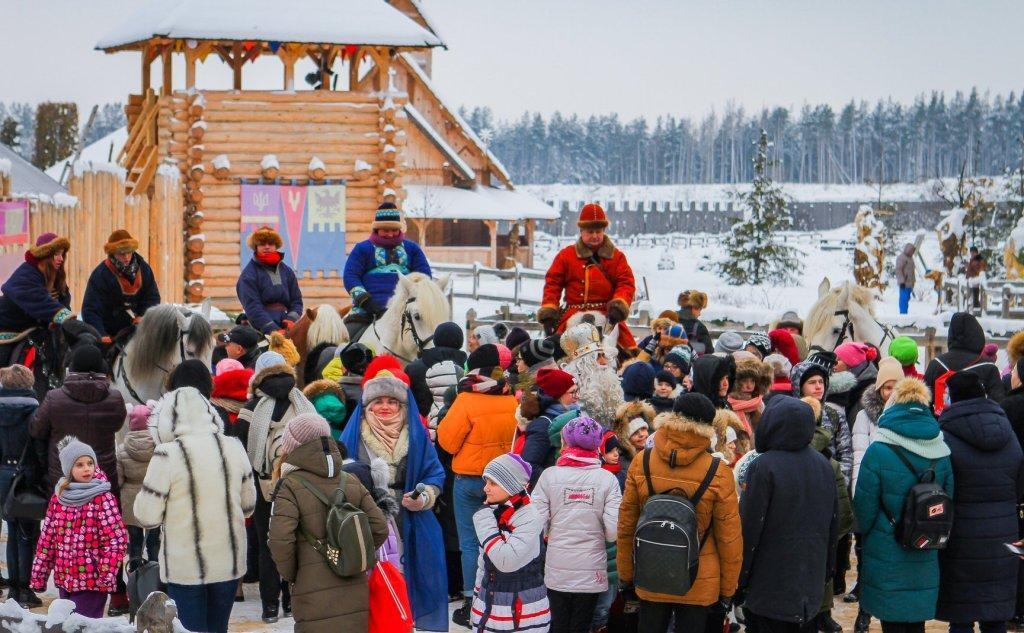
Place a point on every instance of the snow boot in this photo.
(270, 613)
(826, 624)
(863, 622)
(462, 615)
(28, 599)
(118, 605)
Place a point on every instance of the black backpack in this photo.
(927, 510)
(667, 542)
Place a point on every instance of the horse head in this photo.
(843, 313)
(167, 336)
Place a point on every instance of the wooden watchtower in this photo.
(352, 129)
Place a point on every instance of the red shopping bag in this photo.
(389, 601)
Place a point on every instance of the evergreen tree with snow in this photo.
(755, 252)
(9, 134)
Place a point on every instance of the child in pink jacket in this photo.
(83, 539)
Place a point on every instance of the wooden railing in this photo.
(139, 156)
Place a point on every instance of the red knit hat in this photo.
(555, 382)
(592, 216)
(784, 343)
(389, 363)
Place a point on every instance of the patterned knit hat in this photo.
(264, 235)
(761, 342)
(301, 429)
(387, 217)
(510, 472)
(121, 241)
(536, 351)
(516, 336)
(583, 432)
(69, 450)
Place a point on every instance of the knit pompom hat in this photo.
(583, 432)
(854, 354)
(761, 342)
(537, 351)
(509, 471)
(285, 347)
(121, 241)
(388, 216)
(303, 428)
(17, 377)
(268, 359)
(384, 385)
(69, 450)
(138, 418)
(47, 245)
(264, 235)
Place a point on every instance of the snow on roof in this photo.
(362, 22)
(459, 121)
(431, 24)
(446, 149)
(479, 203)
(26, 177)
(102, 150)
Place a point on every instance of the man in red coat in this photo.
(593, 275)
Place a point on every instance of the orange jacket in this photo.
(589, 286)
(477, 428)
(722, 555)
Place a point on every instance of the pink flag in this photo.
(293, 202)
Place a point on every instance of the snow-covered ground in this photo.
(752, 305)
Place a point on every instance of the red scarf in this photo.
(576, 457)
(128, 288)
(505, 511)
(270, 259)
(743, 407)
(612, 468)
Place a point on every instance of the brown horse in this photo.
(316, 328)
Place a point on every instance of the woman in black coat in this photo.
(966, 339)
(978, 577)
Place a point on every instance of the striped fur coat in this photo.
(199, 488)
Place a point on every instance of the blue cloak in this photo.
(423, 558)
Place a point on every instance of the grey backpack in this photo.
(667, 542)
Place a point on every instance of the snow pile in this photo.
(82, 167)
(315, 163)
(362, 165)
(103, 150)
(64, 200)
(221, 162)
(199, 124)
(170, 170)
(270, 161)
(61, 617)
(5, 167)
(952, 225)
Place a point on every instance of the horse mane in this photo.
(157, 337)
(823, 311)
(327, 328)
(430, 300)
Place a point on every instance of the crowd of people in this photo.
(680, 482)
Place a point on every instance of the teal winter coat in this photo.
(898, 584)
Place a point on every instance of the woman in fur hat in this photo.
(120, 289)
(753, 380)
(36, 293)
(386, 425)
(691, 304)
(267, 289)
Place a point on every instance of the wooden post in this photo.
(190, 68)
(531, 226)
(165, 89)
(236, 64)
(146, 61)
(289, 71)
(492, 228)
(353, 68)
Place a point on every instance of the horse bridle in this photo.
(407, 323)
(848, 327)
(124, 355)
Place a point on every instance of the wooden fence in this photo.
(103, 207)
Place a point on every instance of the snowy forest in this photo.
(19, 121)
(935, 136)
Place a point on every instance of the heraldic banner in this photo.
(310, 219)
(14, 236)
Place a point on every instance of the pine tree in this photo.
(9, 134)
(56, 133)
(755, 252)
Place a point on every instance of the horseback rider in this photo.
(268, 289)
(593, 275)
(36, 294)
(373, 266)
(120, 289)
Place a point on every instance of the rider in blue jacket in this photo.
(120, 289)
(373, 266)
(268, 289)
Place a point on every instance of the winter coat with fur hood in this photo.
(864, 428)
(85, 406)
(687, 441)
(328, 398)
(322, 602)
(133, 456)
(580, 506)
(199, 488)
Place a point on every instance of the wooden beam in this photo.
(353, 68)
(146, 77)
(190, 68)
(237, 60)
(492, 228)
(165, 89)
(325, 75)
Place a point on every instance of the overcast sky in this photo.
(596, 56)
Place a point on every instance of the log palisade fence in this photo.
(103, 207)
(220, 138)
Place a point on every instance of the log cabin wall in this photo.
(340, 128)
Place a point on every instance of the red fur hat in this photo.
(389, 363)
(784, 343)
(592, 216)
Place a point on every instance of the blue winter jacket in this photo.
(26, 302)
(898, 584)
(104, 304)
(375, 269)
(260, 286)
(976, 572)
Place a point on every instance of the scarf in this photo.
(77, 494)
(126, 275)
(386, 242)
(934, 448)
(260, 425)
(612, 468)
(386, 430)
(576, 457)
(269, 259)
(743, 407)
(503, 511)
(476, 382)
(129, 270)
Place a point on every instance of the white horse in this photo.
(407, 327)
(844, 313)
(167, 336)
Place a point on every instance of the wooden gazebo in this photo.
(350, 134)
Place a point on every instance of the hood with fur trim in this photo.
(910, 391)
(724, 419)
(761, 373)
(872, 404)
(1015, 348)
(275, 381)
(628, 411)
(680, 440)
(182, 412)
(318, 388)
